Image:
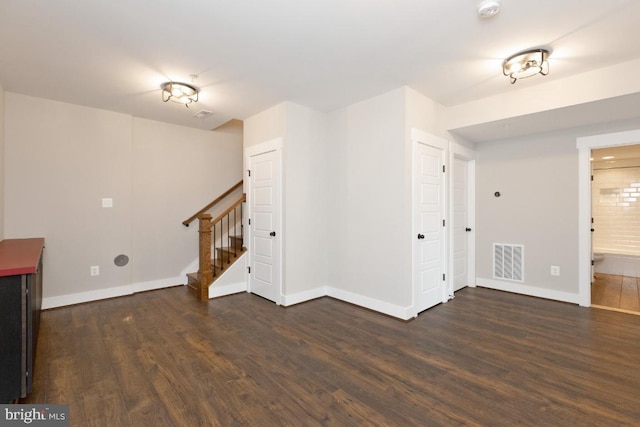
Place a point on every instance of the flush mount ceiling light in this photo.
(488, 8)
(181, 93)
(526, 64)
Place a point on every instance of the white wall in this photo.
(424, 114)
(347, 196)
(537, 178)
(264, 126)
(370, 252)
(308, 217)
(176, 171)
(62, 159)
(305, 193)
(2, 121)
(615, 205)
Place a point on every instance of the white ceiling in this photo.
(324, 54)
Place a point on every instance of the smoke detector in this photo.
(488, 8)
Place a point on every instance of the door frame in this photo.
(457, 151)
(424, 138)
(585, 145)
(273, 145)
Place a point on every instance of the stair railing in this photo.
(223, 257)
(212, 234)
(192, 218)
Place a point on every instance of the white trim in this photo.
(223, 291)
(404, 313)
(585, 145)
(159, 284)
(264, 147)
(276, 145)
(300, 297)
(472, 224)
(527, 290)
(80, 297)
(457, 151)
(429, 140)
(220, 289)
(615, 139)
(120, 291)
(461, 151)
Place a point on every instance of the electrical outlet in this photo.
(95, 270)
(555, 270)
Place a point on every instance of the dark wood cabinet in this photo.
(20, 304)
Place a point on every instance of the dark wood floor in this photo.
(487, 358)
(616, 292)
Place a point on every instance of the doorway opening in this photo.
(615, 212)
(585, 145)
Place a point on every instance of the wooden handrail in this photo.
(188, 221)
(209, 267)
(235, 205)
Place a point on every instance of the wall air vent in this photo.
(508, 262)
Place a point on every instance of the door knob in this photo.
(467, 229)
(420, 236)
(273, 233)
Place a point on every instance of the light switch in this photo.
(107, 202)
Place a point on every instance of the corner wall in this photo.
(308, 217)
(347, 197)
(176, 171)
(62, 159)
(369, 252)
(306, 211)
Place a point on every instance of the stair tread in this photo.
(194, 278)
(231, 249)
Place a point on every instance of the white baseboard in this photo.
(70, 299)
(80, 297)
(528, 290)
(222, 291)
(300, 297)
(404, 313)
(158, 284)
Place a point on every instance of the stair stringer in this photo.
(193, 265)
(232, 280)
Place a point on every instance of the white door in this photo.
(461, 224)
(429, 228)
(264, 227)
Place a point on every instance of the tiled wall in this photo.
(616, 210)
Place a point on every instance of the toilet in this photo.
(597, 258)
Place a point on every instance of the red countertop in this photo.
(20, 256)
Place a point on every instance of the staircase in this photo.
(224, 235)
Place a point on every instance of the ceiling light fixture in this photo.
(181, 93)
(526, 64)
(488, 8)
